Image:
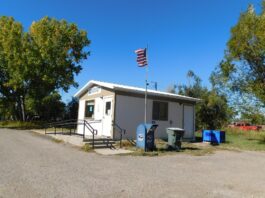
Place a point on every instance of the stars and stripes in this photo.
(141, 57)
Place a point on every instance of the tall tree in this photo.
(172, 88)
(71, 110)
(34, 64)
(52, 107)
(242, 71)
(213, 111)
(11, 63)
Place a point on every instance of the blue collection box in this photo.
(213, 136)
(145, 136)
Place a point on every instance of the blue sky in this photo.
(181, 35)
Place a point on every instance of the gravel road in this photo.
(32, 165)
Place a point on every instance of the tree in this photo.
(172, 88)
(242, 71)
(71, 110)
(213, 111)
(35, 64)
(11, 64)
(52, 108)
(194, 87)
(253, 114)
(7, 111)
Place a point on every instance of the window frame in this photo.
(109, 107)
(157, 116)
(86, 102)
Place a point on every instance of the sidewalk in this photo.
(78, 141)
(71, 139)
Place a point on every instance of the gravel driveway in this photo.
(34, 166)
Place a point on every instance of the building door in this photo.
(107, 116)
(188, 112)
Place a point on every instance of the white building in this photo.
(103, 104)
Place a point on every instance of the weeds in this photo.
(242, 140)
(86, 148)
(125, 143)
(57, 140)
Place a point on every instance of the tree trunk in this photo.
(22, 106)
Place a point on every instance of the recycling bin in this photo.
(213, 136)
(174, 138)
(145, 136)
(207, 135)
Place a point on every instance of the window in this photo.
(107, 108)
(89, 109)
(160, 111)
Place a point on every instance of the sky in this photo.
(181, 35)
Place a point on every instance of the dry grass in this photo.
(241, 140)
(125, 144)
(21, 125)
(86, 148)
(57, 140)
(161, 149)
(235, 141)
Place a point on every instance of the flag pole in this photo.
(143, 62)
(146, 84)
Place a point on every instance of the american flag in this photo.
(141, 57)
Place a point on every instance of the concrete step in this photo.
(97, 142)
(102, 146)
(101, 142)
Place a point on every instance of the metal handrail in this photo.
(59, 123)
(64, 122)
(121, 131)
(88, 125)
(92, 130)
(74, 122)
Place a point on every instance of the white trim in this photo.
(131, 89)
(96, 92)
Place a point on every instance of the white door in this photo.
(188, 121)
(107, 116)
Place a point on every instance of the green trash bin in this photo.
(174, 138)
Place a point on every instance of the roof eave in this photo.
(92, 82)
(196, 100)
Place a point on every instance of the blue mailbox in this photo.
(145, 136)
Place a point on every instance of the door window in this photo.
(108, 108)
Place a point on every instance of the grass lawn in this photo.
(235, 140)
(245, 140)
(242, 140)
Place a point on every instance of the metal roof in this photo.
(131, 89)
